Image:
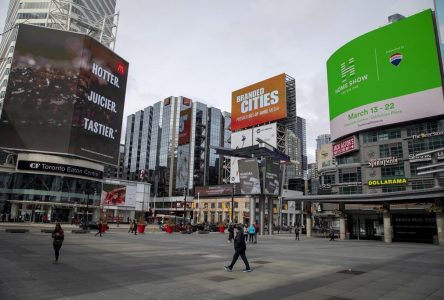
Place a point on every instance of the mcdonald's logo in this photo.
(120, 68)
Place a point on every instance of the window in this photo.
(350, 175)
(394, 188)
(422, 184)
(327, 179)
(219, 205)
(419, 145)
(348, 159)
(426, 127)
(374, 136)
(390, 150)
(392, 171)
(350, 190)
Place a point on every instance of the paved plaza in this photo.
(161, 266)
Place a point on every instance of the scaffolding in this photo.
(69, 16)
(290, 121)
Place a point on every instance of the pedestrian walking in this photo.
(239, 250)
(135, 227)
(230, 233)
(296, 232)
(251, 232)
(130, 229)
(99, 228)
(58, 237)
(256, 227)
(332, 234)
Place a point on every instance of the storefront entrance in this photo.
(365, 226)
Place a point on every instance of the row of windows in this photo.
(31, 16)
(417, 129)
(375, 136)
(426, 127)
(391, 150)
(420, 145)
(349, 175)
(33, 5)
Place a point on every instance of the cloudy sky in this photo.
(206, 49)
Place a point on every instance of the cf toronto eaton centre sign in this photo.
(27, 165)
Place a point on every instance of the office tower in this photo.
(322, 140)
(170, 144)
(301, 132)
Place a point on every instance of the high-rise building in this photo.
(77, 179)
(95, 18)
(301, 133)
(169, 144)
(322, 139)
(111, 171)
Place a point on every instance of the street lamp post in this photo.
(184, 205)
(232, 202)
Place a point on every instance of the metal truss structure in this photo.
(69, 16)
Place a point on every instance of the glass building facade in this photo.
(175, 166)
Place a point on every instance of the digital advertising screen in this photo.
(259, 103)
(113, 194)
(249, 176)
(387, 76)
(272, 178)
(65, 94)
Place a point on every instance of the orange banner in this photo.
(259, 103)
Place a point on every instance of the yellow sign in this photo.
(387, 181)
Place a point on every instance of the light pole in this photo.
(198, 208)
(184, 204)
(232, 202)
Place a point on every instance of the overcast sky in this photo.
(206, 49)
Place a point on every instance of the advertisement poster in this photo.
(272, 178)
(345, 146)
(259, 103)
(267, 133)
(113, 194)
(249, 176)
(65, 94)
(386, 76)
(185, 126)
(239, 139)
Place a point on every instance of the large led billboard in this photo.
(387, 76)
(65, 94)
(259, 103)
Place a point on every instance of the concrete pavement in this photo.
(178, 266)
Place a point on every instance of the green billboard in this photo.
(386, 76)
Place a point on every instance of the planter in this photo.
(221, 229)
(141, 228)
(169, 229)
(103, 228)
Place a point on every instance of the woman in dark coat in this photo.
(58, 237)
